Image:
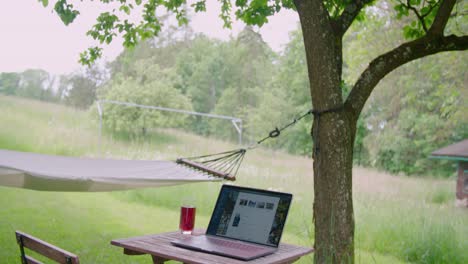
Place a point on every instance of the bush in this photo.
(154, 87)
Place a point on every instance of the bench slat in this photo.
(31, 260)
(52, 252)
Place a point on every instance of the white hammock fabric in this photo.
(57, 173)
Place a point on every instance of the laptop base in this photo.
(232, 249)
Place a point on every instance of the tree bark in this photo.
(333, 204)
(333, 134)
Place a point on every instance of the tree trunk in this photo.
(333, 134)
(333, 204)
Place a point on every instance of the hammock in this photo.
(58, 173)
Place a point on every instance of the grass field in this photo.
(398, 219)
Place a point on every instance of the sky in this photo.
(35, 37)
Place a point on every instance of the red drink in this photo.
(187, 219)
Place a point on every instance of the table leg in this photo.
(132, 252)
(290, 261)
(158, 260)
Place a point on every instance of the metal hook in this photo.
(275, 133)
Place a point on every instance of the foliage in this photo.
(65, 10)
(414, 110)
(440, 196)
(79, 89)
(204, 72)
(9, 82)
(32, 83)
(251, 71)
(164, 49)
(152, 87)
(82, 93)
(274, 111)
(117, 23)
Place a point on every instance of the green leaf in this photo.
(199, 6)
(361, 17)
(241, 3)
(65, 11)
(425, 9)
(45, 3)
(88, 57)
(125, 9)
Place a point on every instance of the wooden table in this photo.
(161, 250)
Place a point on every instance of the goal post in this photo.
(236, 122)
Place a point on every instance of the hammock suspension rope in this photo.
(226, 164)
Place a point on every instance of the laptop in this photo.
(246, 224)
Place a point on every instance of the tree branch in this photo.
(389, 61)
(442, 17)
(344, 21)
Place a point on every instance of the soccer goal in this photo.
(236, 122)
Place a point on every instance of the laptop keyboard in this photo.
(232, 244)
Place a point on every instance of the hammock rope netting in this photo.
(224, 165)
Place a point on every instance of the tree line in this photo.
(76, 89)
(415, 110)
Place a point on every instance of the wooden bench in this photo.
(50, 251)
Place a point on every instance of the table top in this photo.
(159, 245)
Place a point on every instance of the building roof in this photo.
(457, 151)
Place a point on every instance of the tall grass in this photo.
(398, 219)
(440, 196)
(415, 232)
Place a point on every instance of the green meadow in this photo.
(399, 219)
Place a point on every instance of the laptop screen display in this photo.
(251, 215)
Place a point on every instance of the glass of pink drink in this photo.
(187, 219)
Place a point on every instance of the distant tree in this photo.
(406, 125)
(36, 84)
(163, 49)
(248, 72)
(324, 23)
(429, 115)
(279, 105)
(82, 93)
(9, 82)
(211, 72)
(123, 64)
(153, 87)
(203, 70)
(253, 59)
(79, 89)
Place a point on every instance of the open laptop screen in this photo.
(251, 215)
